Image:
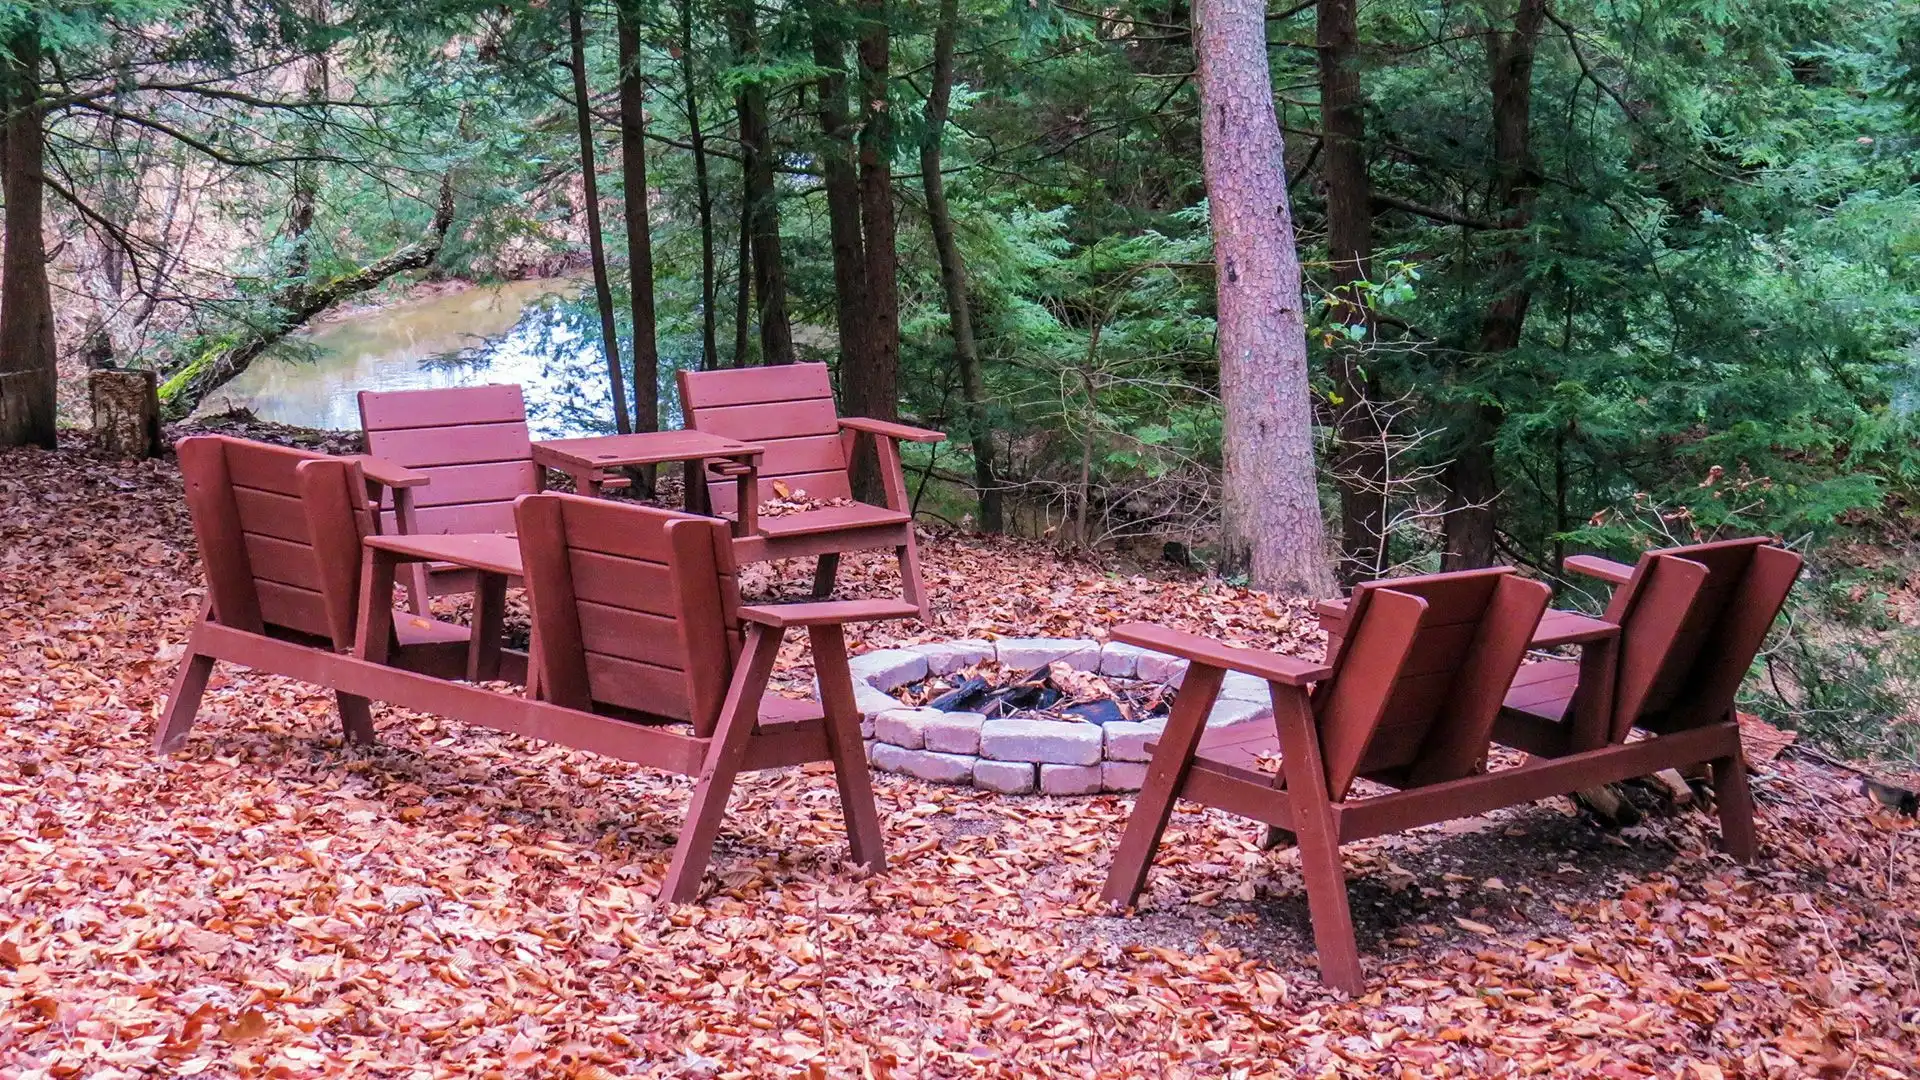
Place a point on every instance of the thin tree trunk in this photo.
(841, 179)
(763, 199)
(709, 355)
(317, 79)
(27, 355)
(743, 279)
(953, 269)
(871, 379)
(1359, 464)
(1473, 484)
(633, 169)
(596, 244)
(1271, 504)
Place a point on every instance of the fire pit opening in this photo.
(1052, 691)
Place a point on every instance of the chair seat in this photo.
(829, 519)
(1544, 688)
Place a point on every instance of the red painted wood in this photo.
(427, 448)
(754, 386)
(1289, 670)
(827, 612)
(773, 420)
(831, 519)
(404, 409)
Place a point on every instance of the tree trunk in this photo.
(225, 356)
(633, 169)
(953, 269)
(317, 80)
(841, 179)
(763, 200)
(871, 379)
(1271, 506)
(709, 355)
(1359, 463)
(743, 278)
(596, 243)
(27, 355)
(1473, 484)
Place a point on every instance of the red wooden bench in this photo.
(1409, 701)
(789, 409)
(646, 653)
(474, 456)
(279, 533)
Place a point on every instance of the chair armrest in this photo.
(891, 430)
(387, 474)
(825, 612)
(1596, 567)
(1332, 613)
(1270, 666)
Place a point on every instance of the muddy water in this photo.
(538, 333)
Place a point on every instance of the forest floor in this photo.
(456, 902)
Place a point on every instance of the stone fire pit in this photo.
(1021, 755)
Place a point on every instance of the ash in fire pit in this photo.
(1053, 691)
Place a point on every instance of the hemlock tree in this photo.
(1271, 524)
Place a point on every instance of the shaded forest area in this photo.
(1576, 276)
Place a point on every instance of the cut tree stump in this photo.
(126, 412)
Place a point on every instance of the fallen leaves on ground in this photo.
(461, 903)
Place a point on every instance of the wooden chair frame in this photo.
(745, 729)
(790, 411)
(1328, 723)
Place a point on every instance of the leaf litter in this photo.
(457, 902)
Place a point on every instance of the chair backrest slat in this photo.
(788, 409)
(1692, 619)
(1421, 673)
(273, 560)
(635, 606)
(473, 444)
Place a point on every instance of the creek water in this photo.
(541, 333)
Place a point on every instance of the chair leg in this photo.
(1735, 804)
(417, 589)
(725, 751)
(1319, 836)
(850, 770)
(183, 701)
(912, 588)
(825, 569)
(356, 718)
(1153, 807)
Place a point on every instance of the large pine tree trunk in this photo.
(870, 379)
(27, 354)
(596, 243)
(1473, 484)
(953, 269)
(633, 168)
(762, 198)
(1271, 505)
(841, 179)
(1359, 462)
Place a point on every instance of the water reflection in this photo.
(542, 334)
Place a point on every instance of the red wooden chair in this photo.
(637, 615)
(279, 533)
(471, 448)
(1410, 701)
(1691, 621)
(789, 409)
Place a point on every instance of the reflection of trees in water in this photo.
(553, 352)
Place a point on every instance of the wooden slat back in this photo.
(251, 523)
(1738, 631)
(1726, 563)
(789, 410)
(471, 441)
(333, 492)
(636, 608)
(1416, 695)
(1660, 597)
